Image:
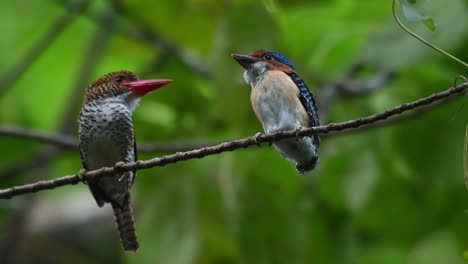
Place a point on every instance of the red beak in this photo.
(147, 86)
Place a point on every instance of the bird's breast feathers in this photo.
(276, 103)
(106, 135)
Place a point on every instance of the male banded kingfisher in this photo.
(107, 138)
(282, 101)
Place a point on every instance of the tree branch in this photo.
(58, 140)
(69, 142)
(32, 161)
(349, 85)
(401, 118)
(345, 86)
(227, 146)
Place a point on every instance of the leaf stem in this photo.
(423, 40)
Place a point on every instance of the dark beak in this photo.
(143, 87)
(245, 60)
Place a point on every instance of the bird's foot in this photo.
(118, 165)
(257, 139)
(297, 134)
(118, 168)
(81, 175)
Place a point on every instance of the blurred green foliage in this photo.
(389, 195)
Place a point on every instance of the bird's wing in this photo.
(82, 155)
(135, 155)
(93, 187)
(308, 102)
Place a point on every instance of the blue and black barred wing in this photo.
(307, 100)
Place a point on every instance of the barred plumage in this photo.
(282, 101)
(126, 225)
(308, 102)
(107, 137)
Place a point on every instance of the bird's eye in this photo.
(119, 79)
(268, 57)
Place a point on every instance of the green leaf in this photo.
(414, 15)
(430, 24)
(390, 42)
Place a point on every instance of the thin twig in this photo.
(425, 42)
(173, 147)
(227, 146)
(398, 119)
(32, 161)
(12, 75)
(58, 140)
(350, 86)
(69, 142)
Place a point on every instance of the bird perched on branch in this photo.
(107, 138)
(282, 101)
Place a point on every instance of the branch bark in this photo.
(228, 146)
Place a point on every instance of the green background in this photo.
(391, 194)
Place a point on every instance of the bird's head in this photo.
(121, 87)
(259, 62)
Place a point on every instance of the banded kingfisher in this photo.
(281, 100)
(107, 138)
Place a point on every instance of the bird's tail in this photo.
(307, 167)
(126, 225)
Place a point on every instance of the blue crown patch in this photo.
(281, 58)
